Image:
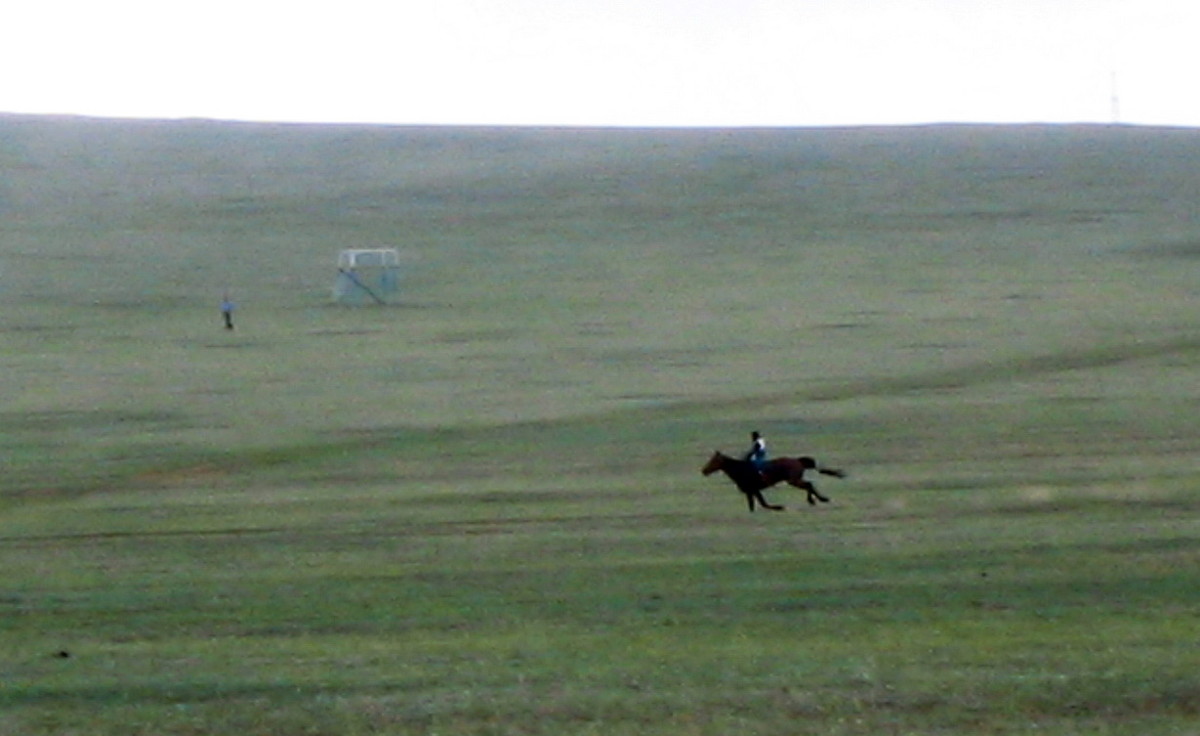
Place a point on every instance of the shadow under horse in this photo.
(752, 482)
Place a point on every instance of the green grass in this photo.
(480, 511)
(540, 612)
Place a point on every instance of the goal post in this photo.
(367, 276)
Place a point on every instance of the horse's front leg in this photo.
(763, 502)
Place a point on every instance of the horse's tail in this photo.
(809, 463)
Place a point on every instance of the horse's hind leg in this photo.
(811, 490)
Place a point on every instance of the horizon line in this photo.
(194, 119)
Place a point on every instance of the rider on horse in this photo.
(757, 456)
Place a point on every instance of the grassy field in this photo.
(478, 511)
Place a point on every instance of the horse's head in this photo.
(714, 463)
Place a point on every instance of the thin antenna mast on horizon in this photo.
(1114, 98)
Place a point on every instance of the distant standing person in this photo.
(758, 451)
(227, 308)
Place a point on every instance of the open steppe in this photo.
(479, 510)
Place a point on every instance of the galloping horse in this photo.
(751, 482)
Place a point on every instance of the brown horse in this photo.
(752, 482)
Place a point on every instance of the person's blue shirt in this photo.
(758, 450)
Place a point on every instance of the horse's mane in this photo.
(741, 464)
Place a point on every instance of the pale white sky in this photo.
(606, 62)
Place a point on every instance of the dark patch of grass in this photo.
(72, 420)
